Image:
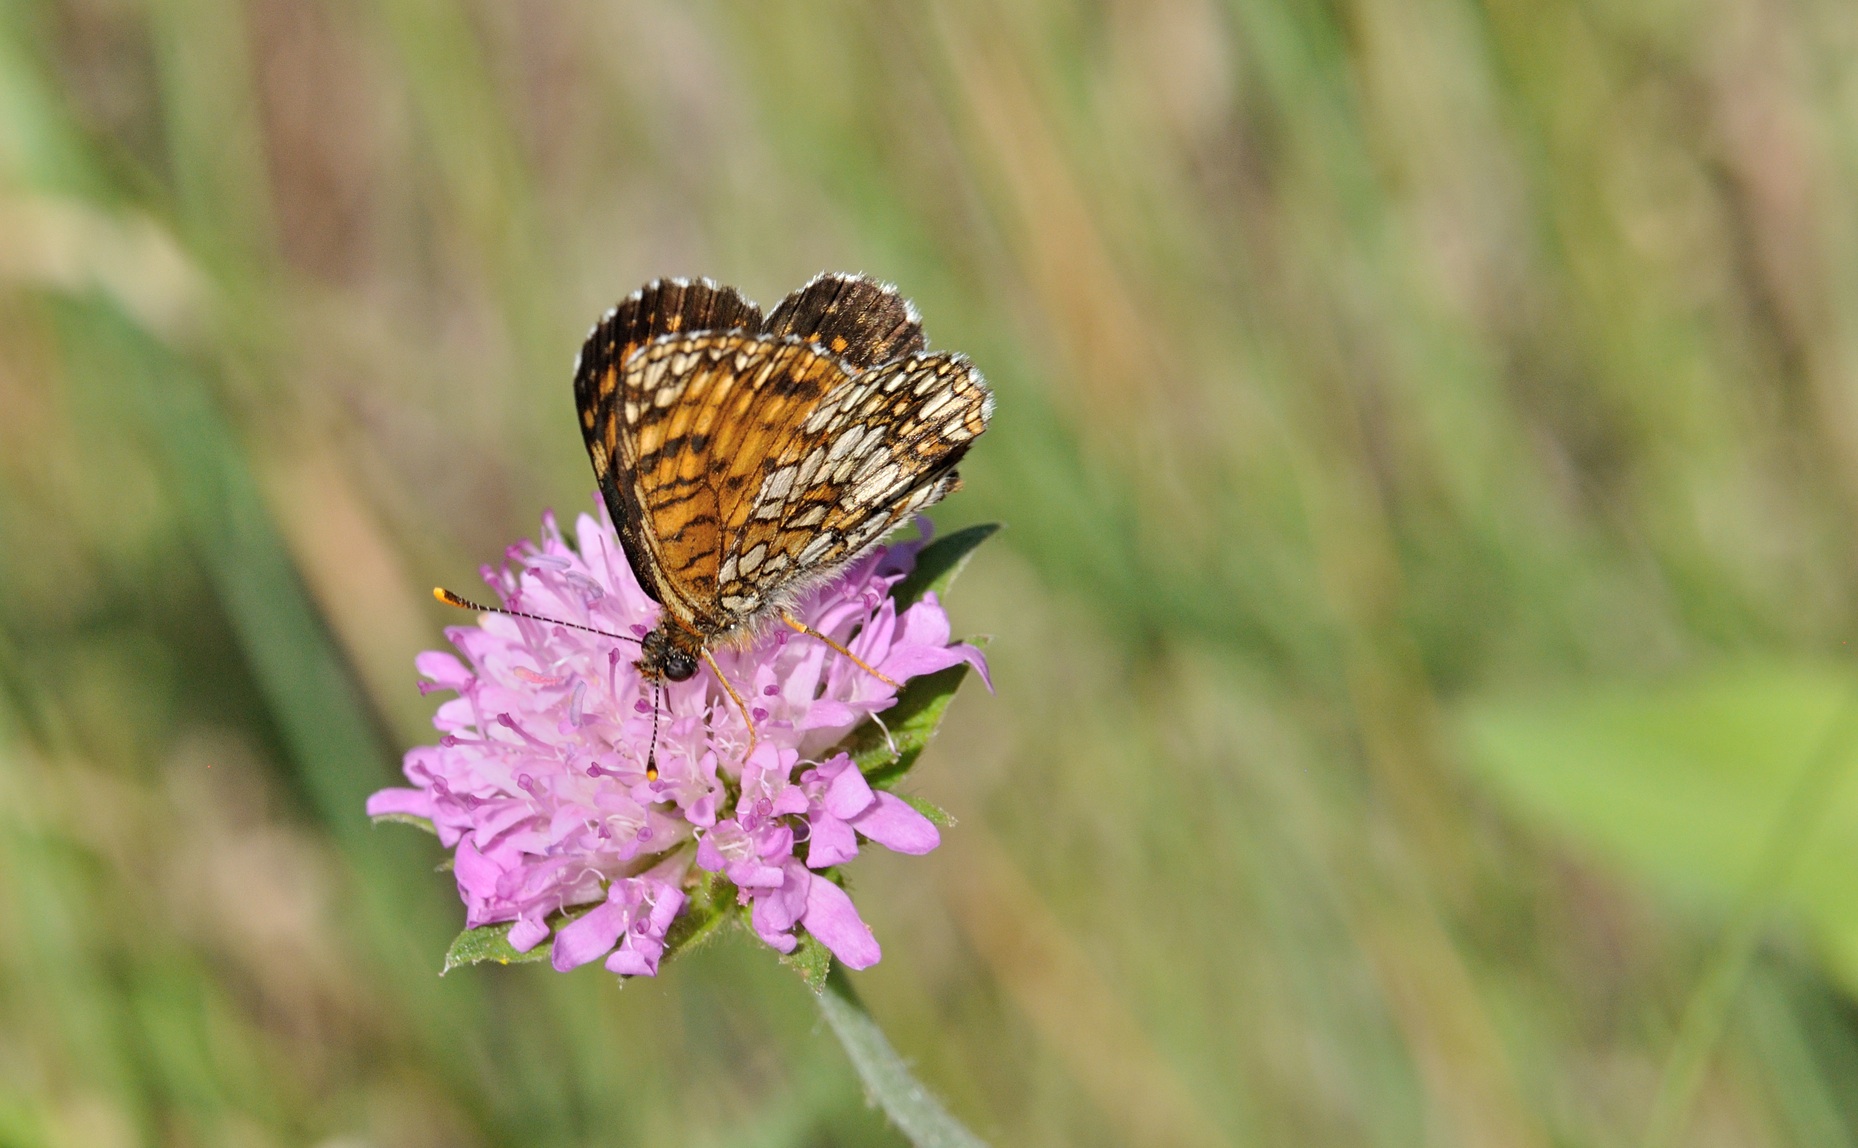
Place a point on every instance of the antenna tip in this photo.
(451, 599)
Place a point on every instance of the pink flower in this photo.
(756, 849)
(538, 783)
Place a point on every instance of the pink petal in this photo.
(847, 792)
(831, 916)
(790, 800)
(477, 874)
(527, 933)
(907, 662)
(832, 843)
(825, 713)
(635, 959)
(776, 911)
(412, 802)
(589, 937)
(666, 901)
(925, 623)
(442, 668)
(892, 823)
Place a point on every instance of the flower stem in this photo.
(910, 1106)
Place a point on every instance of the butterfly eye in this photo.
(679, 666)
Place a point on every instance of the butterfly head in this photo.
(663, 656)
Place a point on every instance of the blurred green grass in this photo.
(1361, 367)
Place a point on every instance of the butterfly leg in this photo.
(747, 718)
(803, 628)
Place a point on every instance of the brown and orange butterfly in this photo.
(747, 460)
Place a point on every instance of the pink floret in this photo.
(538, 783)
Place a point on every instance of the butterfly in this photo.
(746, 460)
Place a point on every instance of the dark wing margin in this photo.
(661, 307)
(863, 322)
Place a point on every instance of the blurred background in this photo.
(1428, 446)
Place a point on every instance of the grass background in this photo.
(1428, 441)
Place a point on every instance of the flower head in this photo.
(539, 784)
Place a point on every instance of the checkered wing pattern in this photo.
(761, 465)
(663, 307)
(745, 459)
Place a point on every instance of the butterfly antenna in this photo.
(651, 754)
(451, 599)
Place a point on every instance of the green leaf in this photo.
(939, 563)
(492, 943)
(811, 960)
(911, 1107)
(885, 758)
(1692, 784)
(935, 813)
(488, 943)
(414, 820)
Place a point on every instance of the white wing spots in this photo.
(777, 486)
(869, 530)
(810, 467)
(726, 573)
(934, 408)
(665, 396)
(654, 374)
(872, 487)
(925, 384)
(632, 412)
(853, 441)
(751, 561)
(870, 462)
(816, 549)
(774, 566)
(957, 430)
(741, 603)
(821, 417)
(811, 516)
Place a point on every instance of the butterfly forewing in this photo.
(662, 307)
(699, 414)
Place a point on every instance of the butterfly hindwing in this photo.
(860, 320)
